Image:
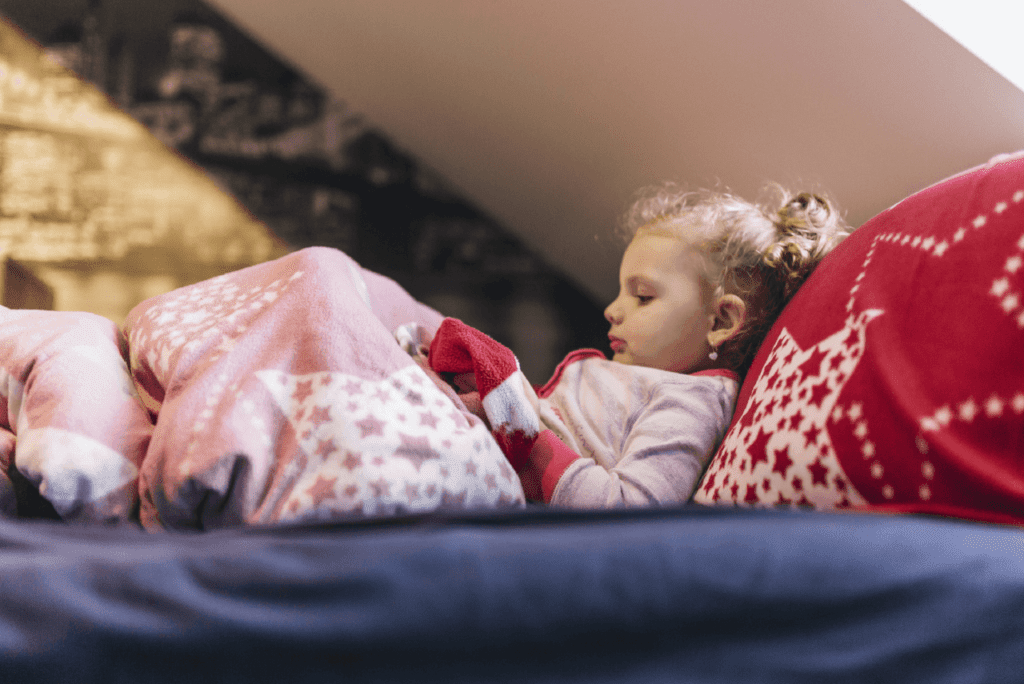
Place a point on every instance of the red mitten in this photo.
(507, 398)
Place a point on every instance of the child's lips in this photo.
(616, 343)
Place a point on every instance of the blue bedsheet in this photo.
(684, 595)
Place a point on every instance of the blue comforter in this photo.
(682, 595)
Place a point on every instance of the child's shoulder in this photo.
(595, 367)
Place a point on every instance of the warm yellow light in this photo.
(88, 194)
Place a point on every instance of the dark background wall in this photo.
(308, 167)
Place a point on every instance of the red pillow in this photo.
(894, 379)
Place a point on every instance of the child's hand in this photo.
(414, 339)
(506, 397)
(464, 383)
(475, 406)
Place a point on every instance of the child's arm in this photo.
(663, 452)
(666, 443)
(508, 401)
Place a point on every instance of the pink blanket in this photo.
(71, 425)
(274, 393)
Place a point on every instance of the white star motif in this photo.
(941, 248)
(959, 235)
(877, 471)
(856, 410)
(1013, 264)
(999, 287)
(868, 449)
(943, 416)
(166, 316)
(1018, 403)
(928, 242)
(994, 406)
(1010, 303)
(979, 221)
(968, 410)
(164, 361)
(194, 317)
(1001, 207)
(1018, 196)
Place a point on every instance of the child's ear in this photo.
(730, 312)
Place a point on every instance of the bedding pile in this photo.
(270, 394)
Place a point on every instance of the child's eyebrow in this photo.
(640, 281)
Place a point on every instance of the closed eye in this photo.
(643, 299)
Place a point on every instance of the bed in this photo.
(214, 514)
(686, 595)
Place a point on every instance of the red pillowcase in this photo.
(894, 379)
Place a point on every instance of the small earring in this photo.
(714, 354)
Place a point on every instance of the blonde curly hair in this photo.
(760, 253)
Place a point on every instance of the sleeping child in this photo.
(701, 281)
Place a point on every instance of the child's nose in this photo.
(611, 314)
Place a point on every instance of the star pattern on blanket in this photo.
(385, 446)
(282, 402)
(782, 452)
(204, 318)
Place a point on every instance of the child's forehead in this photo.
(652, 253)
(687, 230)
(664, 242)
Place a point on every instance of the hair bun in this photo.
(807, 228)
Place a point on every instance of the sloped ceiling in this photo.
(551, 113)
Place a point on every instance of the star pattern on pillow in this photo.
(1007, 293)
(781, 451)
(1008, 289)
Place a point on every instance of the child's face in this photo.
(660, 318)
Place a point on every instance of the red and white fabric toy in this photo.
(508, 399)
